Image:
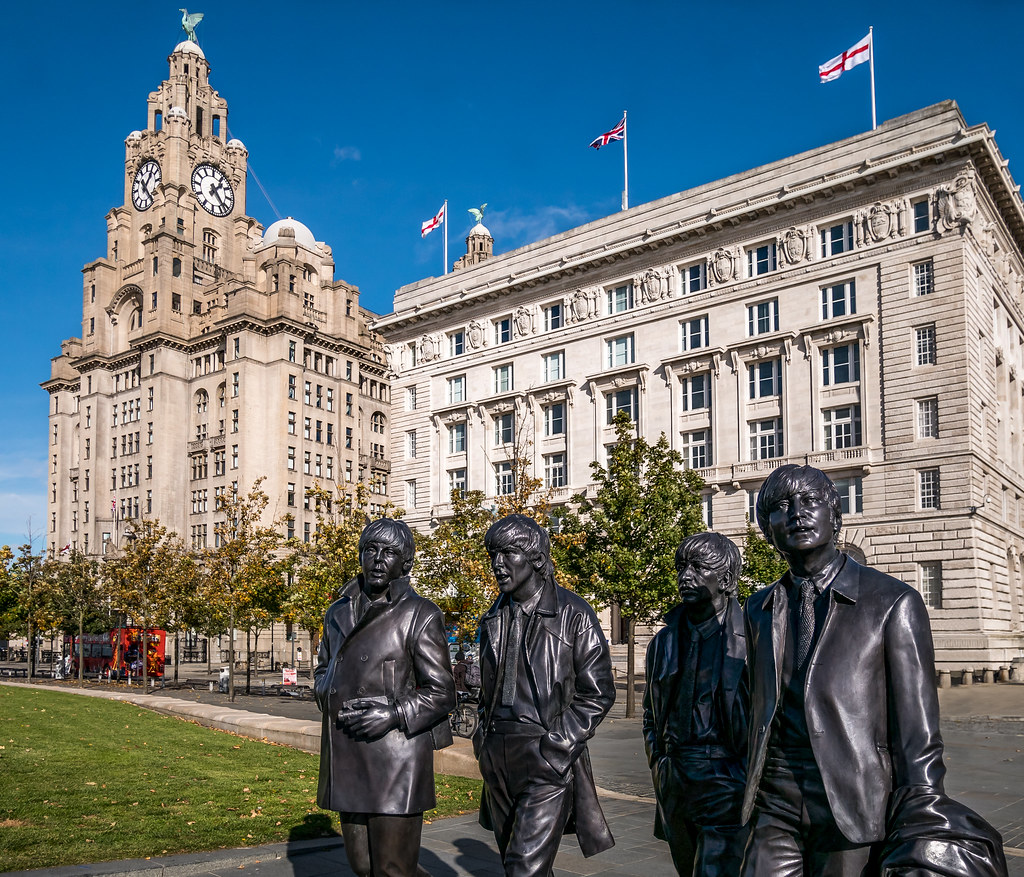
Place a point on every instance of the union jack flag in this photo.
(617, 133)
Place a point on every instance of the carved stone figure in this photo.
(958, 204)
(880, 222)
(384, 685)
(695, 712)
(476, 335)
(794, 245)
(524, 321)
(546, 683)
(430, 347)
(844, 715)
(723, 265)
(652, 285)
(581, 305)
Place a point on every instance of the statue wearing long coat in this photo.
(397, 653)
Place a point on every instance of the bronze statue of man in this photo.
(383, 682)
(695, 712)
(844, 710)
(547, 682)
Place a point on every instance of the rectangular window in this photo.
(694, 333)
(348, 403)
(457, 438)
(234, 456)
(504, 429)
(838, 300)
(924, 278)
(619, 298)
(620, 351)
(697, 392)
(291, 493)
(697, 449)
(929, 583)
(842, 427)
(928, 418)
(410, 399)
(922, 218)
(457, 481)
(410, 444)
(554, 317)
(330, 433)
(503, 330)
(554, 419)
(307, 428)
(457, 343)
(693, 278)
(504, 479)
(456, 389)
(291, 423)
(761, 260)
(851, 494)
(291, 458)
(836, 239)
(291, 386)
(307, 462)
(554, 470)
(924, 344)
(765, 379)
(348, 437)
(503, 378)
(763, 317)
(621, 400)
(234, 384)
(840, 365)
(766, 439)
(553, 368)
(928, 488)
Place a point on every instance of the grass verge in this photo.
(84, 779)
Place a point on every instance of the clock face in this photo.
(213, 191)
(147, 178)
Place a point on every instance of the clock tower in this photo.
(213, 351)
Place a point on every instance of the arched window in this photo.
(377, 422)
(202, 401)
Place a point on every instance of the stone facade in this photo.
(212, 352)
(857, 307)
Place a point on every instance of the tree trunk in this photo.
(81, 647)
(145, 660)
(177, 636)
(31, 651)
(231, 654)
(630, 663)
(248, 661)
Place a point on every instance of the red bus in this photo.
(117, 652)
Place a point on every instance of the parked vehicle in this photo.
(117, 653)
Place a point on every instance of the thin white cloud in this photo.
(347, 153)
(516, 228)
(20, 512)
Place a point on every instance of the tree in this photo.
(77, 593)
(243, 574)
(621, 546)
(142, 578)
(34, 609)
(185, 606)
(762, 564)
(8, 592)
(452, 566)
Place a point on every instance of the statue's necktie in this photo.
(688, 685)
(805, 623)
(513, 642)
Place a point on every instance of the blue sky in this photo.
(360, 119)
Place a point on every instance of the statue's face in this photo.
(515, 575)
(700, 587)
(801, 523)
(382, 562)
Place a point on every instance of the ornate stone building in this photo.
(857, 307)
(212, 352)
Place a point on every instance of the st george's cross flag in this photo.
(858, 53)
(617, 133)
(428, 226)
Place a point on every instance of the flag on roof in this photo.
(858, 53)
(431, 224)
(617, 133)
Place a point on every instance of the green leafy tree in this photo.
(621, 545)
(142, 578)
(8, 593)
(34, 610)
(452, 567)
(244, 578)
(762, 564)
(77, 594)
(186, 608)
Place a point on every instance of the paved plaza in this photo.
(983, 727)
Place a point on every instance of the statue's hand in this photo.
(366, 720)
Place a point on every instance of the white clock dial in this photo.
(147, 178)
(213, 191)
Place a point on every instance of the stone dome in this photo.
(303, 236)
(235, 143)
(190, 47)
(135, 135)
(480, 228)
(177, 112)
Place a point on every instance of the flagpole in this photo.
(445, 236)
(871, 59)
(625, 166)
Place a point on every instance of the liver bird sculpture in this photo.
(478, 212)
(189, 22)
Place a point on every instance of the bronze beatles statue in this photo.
(694, 717)
(383, 683)
(546, 684)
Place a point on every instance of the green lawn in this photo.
(84, 779)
